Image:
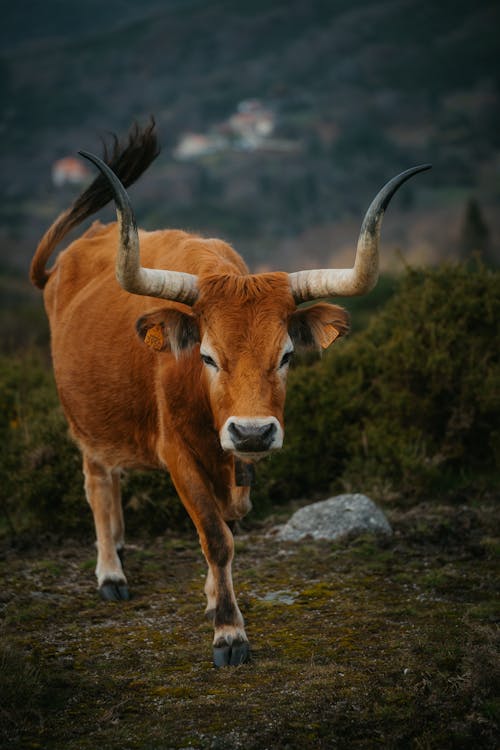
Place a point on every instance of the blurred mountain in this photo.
(359, 91)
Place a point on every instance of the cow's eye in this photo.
(209, 361)
(285, 360)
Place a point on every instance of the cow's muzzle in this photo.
(251, 438)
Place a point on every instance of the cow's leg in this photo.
(230, 644)
(103, 494)
(210, 593)
(210, 587)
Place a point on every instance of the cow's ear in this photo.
(318, 325)
(168, 330)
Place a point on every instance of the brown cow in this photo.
(195, 384)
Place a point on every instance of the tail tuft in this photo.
(128, 160)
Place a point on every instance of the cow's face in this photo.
(245, 330)
(246, 350)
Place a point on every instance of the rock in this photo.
(335, 518)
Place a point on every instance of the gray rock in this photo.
(335, 518)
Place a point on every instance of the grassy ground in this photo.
(369, 643)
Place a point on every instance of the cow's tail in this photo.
(128, 160)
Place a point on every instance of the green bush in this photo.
(406, 409)
(40, 469)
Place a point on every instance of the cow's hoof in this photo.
(232, 656)
(114, 591)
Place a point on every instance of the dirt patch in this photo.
(389, 643)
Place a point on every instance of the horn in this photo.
(150, 282)
(362, 277)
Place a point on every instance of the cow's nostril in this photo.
(269, 432)
(252, 438)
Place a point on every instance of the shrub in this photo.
(40, 470)
(409, 407)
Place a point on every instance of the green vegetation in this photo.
(40, 467)
(406, 409)
(475, 235)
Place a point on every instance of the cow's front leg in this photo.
(102, 488)
(230, 644)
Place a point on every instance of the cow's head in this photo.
(246, 327)
(245, 330)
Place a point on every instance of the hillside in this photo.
(363, 90)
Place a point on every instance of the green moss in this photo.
(88, 564)
(488, 611)
(491, 709)
(491, 546)
(50, 566)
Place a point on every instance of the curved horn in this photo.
(362, 277)
(150, 282)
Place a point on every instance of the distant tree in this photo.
(475, 234)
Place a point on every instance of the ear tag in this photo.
(328, 335)
(154, 338)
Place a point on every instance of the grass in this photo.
(371, 643)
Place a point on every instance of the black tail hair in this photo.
(128, 160)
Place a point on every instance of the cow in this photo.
(168, 354)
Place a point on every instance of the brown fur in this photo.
(133, 405)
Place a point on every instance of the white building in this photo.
(252, 123)
(69, 171)
(193, 145)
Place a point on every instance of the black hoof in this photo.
(114, 591)
(232, 656)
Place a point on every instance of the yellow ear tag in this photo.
(328, 335)
(154, 338)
